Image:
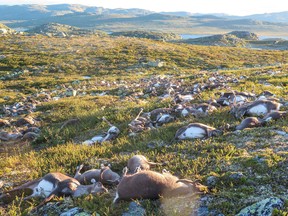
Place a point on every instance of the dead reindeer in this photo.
(139, 161)
(183, 98)
(140, 124)
(196, 130)
(154, 114)
(249, 122)
(26, 121)
(6, 136)
(265, 95)
(111, 134)
(213, 102)
(274, 115)
(104, 175)
(52, 184)
(256, 108)
(205, 108)
(153, 185)
(135, 123)
(4, 123)
(30, 136)
(72, 121)
(190, 110)
(87, 176)
(163, 119)
(107, 176)
(233, 97)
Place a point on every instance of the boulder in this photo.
(135, 209)
(264, 207)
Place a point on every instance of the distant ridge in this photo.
(135, 19)
(35, 11)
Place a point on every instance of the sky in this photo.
(232, 7)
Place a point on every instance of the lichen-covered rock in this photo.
(75, 212)
(262, 208)
(211, 181)
(135, 209)
(236, 176)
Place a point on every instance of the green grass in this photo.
(259, 153)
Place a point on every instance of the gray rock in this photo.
(203, 211)
(135, 209)
(211, 181)
(262, 208)
(76, 212)
(156, 63)
(236, 176)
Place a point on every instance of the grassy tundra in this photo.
(36, 64)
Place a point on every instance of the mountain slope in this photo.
(29, 11)
(115, 20)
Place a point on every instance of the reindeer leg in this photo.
(78, 169)
(125, 170)
(104, 119)
(47, 199)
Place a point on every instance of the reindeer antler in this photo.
(141, 110)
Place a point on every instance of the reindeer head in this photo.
(195, 185)
(108, 176)
(216, 132)
(98, 188)
(238, 111)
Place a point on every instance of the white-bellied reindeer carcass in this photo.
(196, 130)
(234, 97)
(50, 185)
(104, 175)
(149, 184)
(111, 134)
(256, 108)
(139, 162)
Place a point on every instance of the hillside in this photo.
(5, 30)
(271, 17)
(228, 40)
(116, 20)
(56, 91)
(245, 39)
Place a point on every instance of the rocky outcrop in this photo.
(60, 30)
(246, 35)
(148, 35)
(5, 30)
(218, 40)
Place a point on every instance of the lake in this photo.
(192, 36)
